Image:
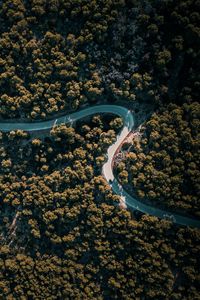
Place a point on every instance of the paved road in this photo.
(128, 119)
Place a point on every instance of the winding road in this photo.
(128, 119)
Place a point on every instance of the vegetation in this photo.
(162, 166)
(50, 60)
(58, 55)
(63, 234)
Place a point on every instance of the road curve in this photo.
(128, 119)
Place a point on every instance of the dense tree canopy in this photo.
(59, 55)
(163, 165)
(63, 234)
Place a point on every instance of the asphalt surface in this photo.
(128, 119)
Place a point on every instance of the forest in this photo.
(63, 234)
(162, 164)
(51, 61)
